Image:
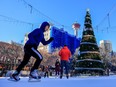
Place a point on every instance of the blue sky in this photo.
(64, 12)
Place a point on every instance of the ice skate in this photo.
(60, 76)
(67, 76)
(14, 76)
(34, 76)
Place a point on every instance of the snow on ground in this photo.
(105, 81)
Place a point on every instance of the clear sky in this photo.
(62, 12)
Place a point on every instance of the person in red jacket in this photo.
(64, 54)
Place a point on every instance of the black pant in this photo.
(64, 64)
(46, 74)
(57, 72)
(30, 50)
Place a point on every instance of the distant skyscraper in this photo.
(106, 48)
(106, 45)
(75, 27)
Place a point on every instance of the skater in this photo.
(46, 74)
(30, 49)
(57, 67)
(64, 54)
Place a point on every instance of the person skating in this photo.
(46, 74)
(57, 67)
(64, 54)
(30, 49)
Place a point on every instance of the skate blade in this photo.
(11, 79)
(33, 80)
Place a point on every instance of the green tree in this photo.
(89, 60)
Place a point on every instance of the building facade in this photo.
(106, 45)
(106, 48)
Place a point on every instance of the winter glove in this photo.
(51, 39)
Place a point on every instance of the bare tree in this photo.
(9, 53)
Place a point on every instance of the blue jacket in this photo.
(37, 36)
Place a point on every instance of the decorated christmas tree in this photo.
(89, 60)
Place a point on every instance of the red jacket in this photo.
(65, 53)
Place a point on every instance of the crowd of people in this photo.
(55, 71)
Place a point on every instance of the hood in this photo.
(65, 47)
(43, 25)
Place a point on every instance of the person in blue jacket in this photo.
(30, 49)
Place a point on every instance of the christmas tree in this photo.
(89, 60)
